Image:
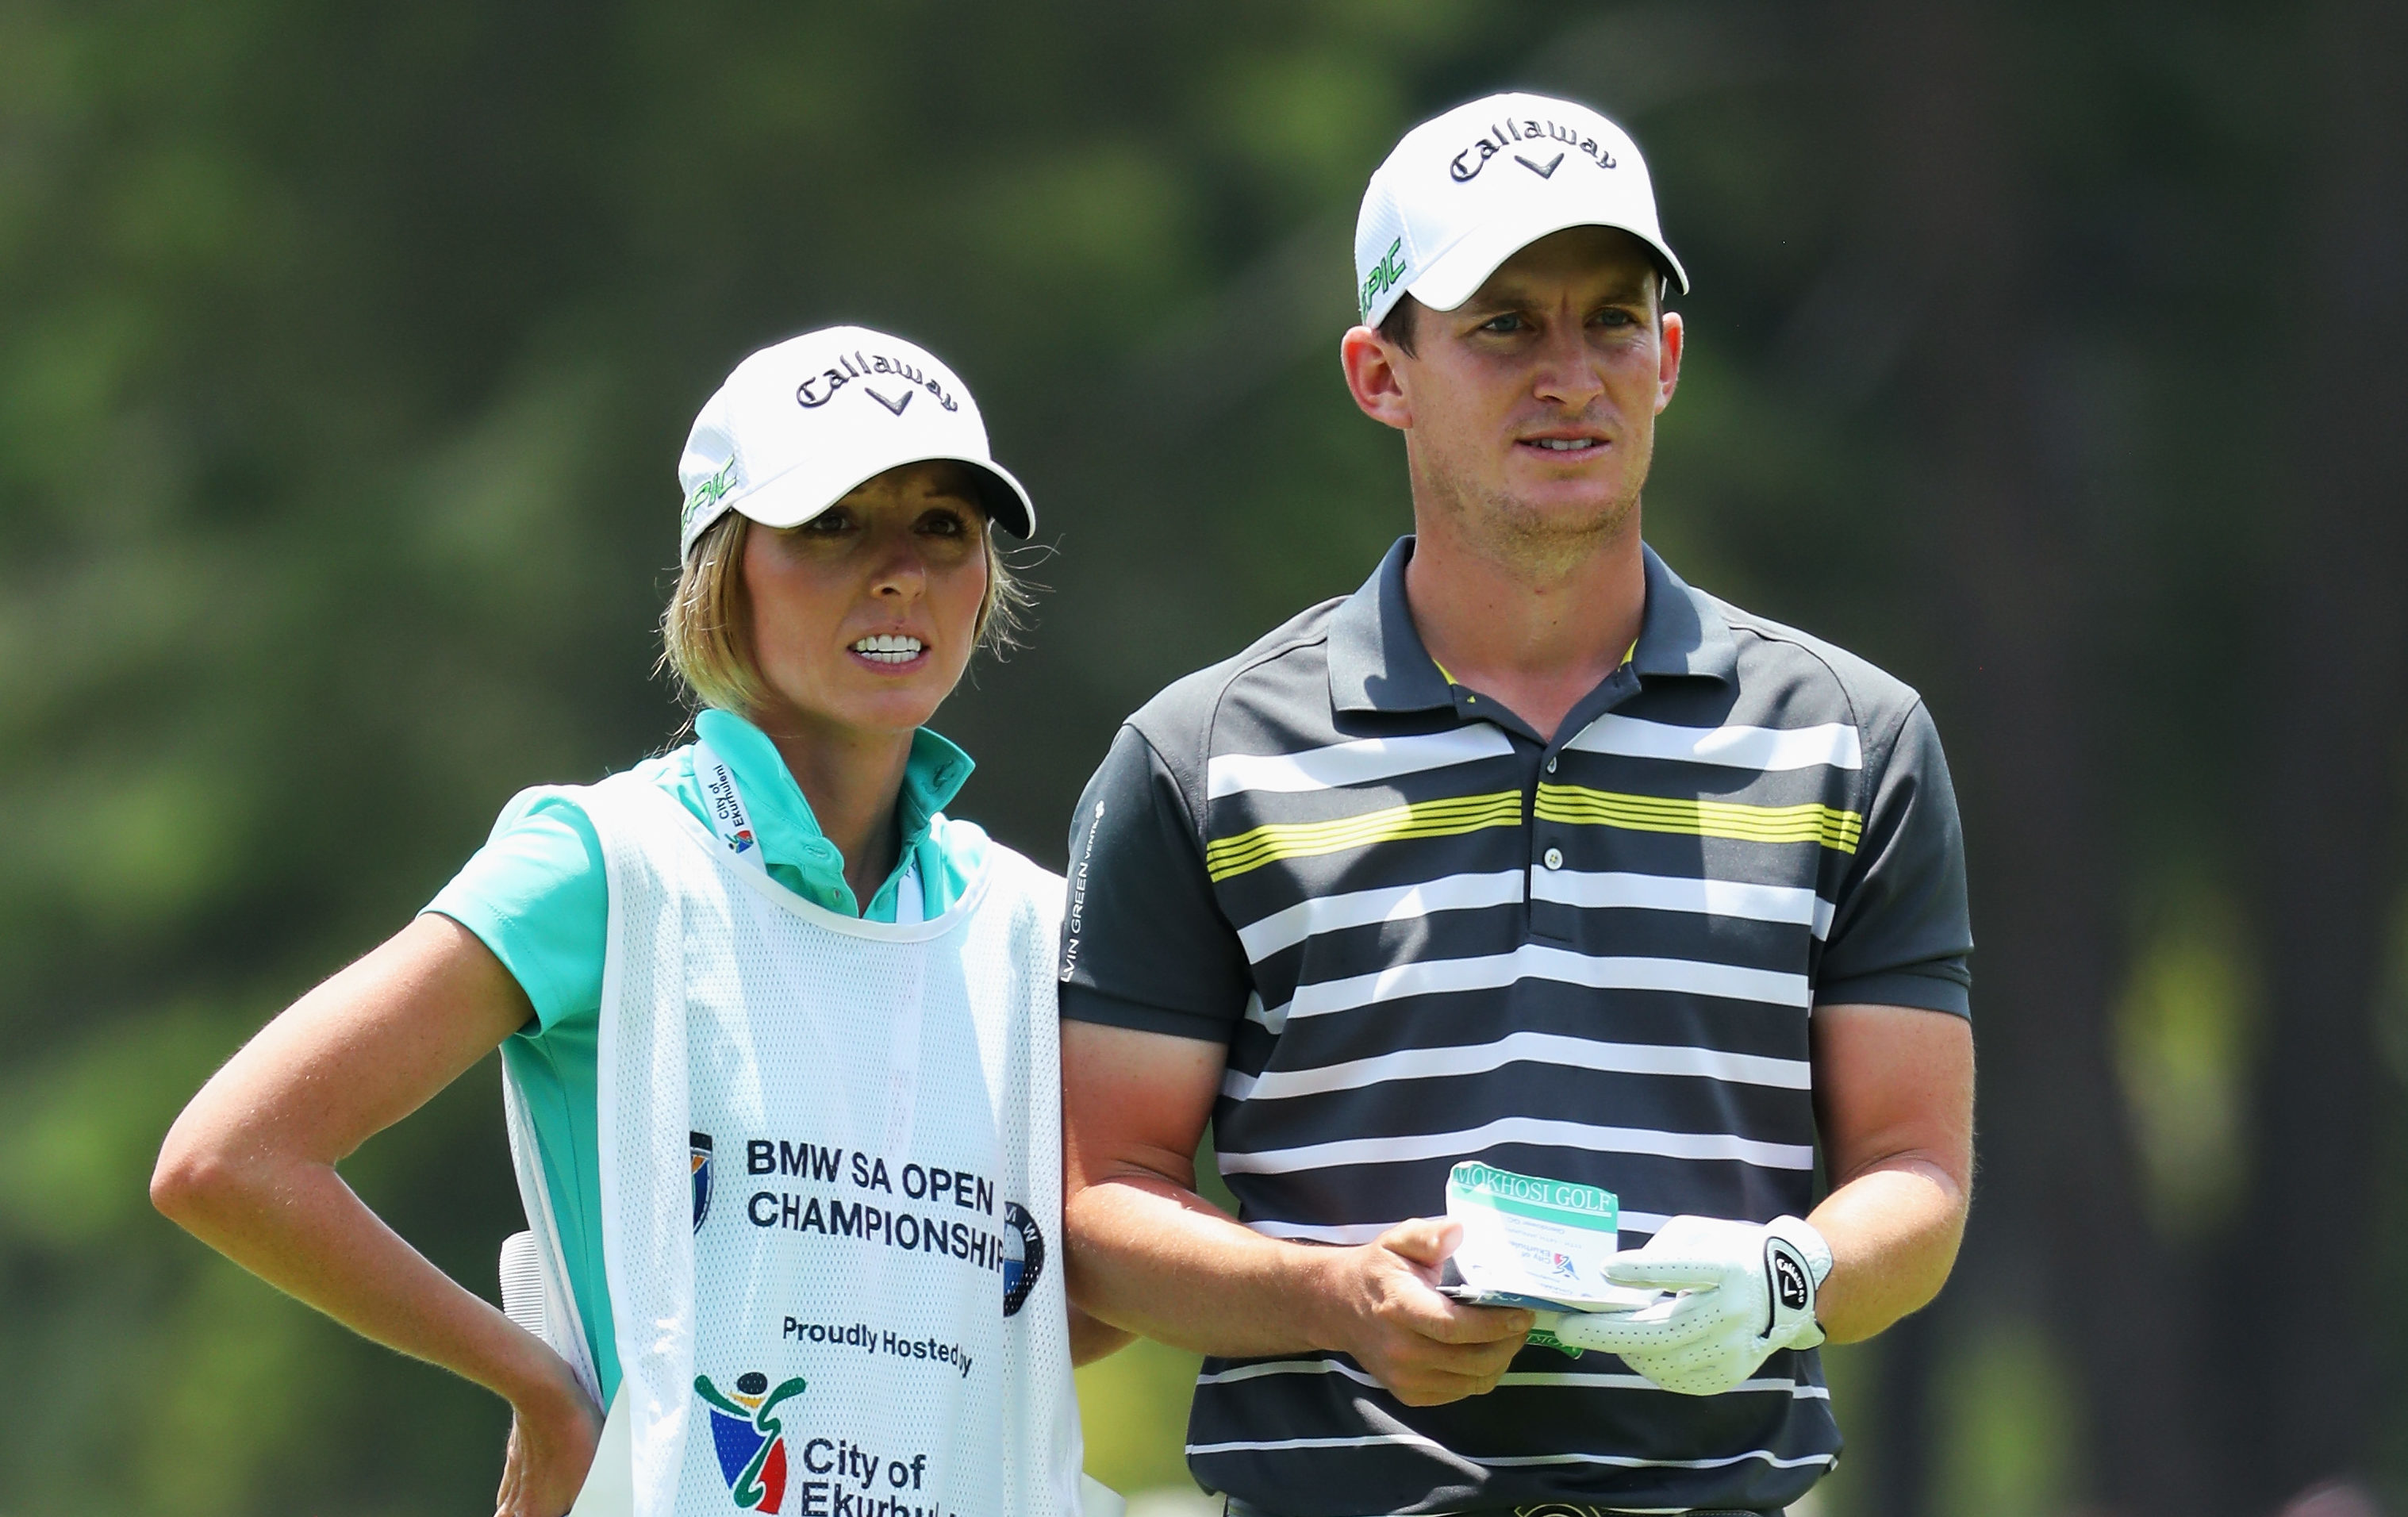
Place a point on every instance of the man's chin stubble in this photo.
(1537, 543)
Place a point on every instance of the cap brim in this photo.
(1457, 274)
(792, 498)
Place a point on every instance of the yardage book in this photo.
(1528, 1241)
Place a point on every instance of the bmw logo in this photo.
(1024, 1257)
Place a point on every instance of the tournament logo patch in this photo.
(699, 1157)
(1024, 1257)
(750, 1442)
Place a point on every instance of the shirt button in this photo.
(1551, 766)
(1554, 858)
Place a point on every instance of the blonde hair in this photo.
(706, 632)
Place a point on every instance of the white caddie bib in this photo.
(830, 1169)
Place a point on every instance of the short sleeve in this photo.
(1901, 932)
(1144, 944)
(537, 896)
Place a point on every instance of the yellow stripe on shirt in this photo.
(1811, 823)
(1577, 805)
(1447, 817)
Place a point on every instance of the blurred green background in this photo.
(2048, 354)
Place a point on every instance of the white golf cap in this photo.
(801, 423)
(1467, 190)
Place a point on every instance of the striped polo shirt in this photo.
(1424, 933)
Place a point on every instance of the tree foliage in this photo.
(2041, 353)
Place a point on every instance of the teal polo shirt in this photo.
(537, 896)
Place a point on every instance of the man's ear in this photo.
(1374, 378)
(1669, 336)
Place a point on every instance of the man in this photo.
(1527, 853)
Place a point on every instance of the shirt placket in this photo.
(1544, 849)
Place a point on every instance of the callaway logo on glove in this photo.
(1744, 1292)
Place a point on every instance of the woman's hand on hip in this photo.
(553, 1433)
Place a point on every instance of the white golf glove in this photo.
(1746, 1290)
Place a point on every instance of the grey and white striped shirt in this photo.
(1426, 935)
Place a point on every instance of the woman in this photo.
(778, 1034)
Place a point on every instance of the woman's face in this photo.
(864, 617)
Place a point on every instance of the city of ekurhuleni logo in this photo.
(748, 1440)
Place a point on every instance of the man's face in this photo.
(1529, 410)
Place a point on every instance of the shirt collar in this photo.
(933, 775)
(1377, 662)
(1683, 632)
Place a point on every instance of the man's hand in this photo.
(1746, 1291)
(1383, 1310)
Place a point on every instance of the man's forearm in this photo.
(1894, 1230)
(1091, 1341)
(1151, 1258)
(1146, 1254)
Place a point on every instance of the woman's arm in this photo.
(249, 1168)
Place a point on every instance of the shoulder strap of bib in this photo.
(729, 821)
(733, 825)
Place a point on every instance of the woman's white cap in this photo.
(799, 423)
(1463, 192)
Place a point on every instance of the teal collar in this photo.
(798, 853)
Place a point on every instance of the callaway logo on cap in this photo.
(801, 423)
(1466, 191)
